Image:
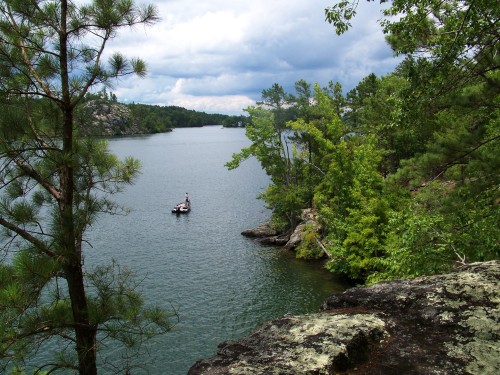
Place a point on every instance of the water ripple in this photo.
(222, 283)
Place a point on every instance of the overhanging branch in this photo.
(40, 245)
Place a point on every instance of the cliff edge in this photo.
(444, 324)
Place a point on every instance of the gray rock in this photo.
(310, 219)
(296, 237)
(266, 235)
(262, 231)
(108, 119)
(445, 324)
(298, 345)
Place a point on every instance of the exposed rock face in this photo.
(108, 119)
(309, 218)
(265, 234)
(309, 344)
(446, 324)
(261, 231)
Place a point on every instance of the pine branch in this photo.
(46, 89)
(456, 160)
(40, 245)
(35, 175)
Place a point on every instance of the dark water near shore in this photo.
(223, 284)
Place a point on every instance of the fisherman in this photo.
(187, 199)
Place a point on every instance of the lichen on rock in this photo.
(315, 343)
(444, 324)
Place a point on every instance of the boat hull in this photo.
(181, 208)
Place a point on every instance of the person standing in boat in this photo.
(187, 200)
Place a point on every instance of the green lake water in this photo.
(222, 284)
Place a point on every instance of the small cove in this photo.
(222, 284)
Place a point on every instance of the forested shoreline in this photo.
(155, 118)
(403, 169)
(110, 117)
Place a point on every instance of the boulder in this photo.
(261, 231)
(266, 235)
(445, 324)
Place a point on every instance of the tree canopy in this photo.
(53, 184)
(404, 169)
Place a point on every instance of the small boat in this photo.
(182, 208)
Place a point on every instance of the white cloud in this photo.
(230, 104)
(218, 56)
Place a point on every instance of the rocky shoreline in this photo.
(266, 235)
(444, 324)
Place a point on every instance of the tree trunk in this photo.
(85, 333)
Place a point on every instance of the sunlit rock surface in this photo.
(265, 234)
(108, 119)
(446, 324)
(262, 230)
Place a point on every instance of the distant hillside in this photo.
(107, 117)
(153, 118)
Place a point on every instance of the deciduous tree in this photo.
(449, 112)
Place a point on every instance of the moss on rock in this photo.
(445, 324)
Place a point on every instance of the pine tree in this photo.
(448, 112)
(54, 182)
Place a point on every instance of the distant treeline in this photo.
(157, 118)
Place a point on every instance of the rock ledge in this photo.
(445, 324)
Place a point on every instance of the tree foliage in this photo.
(155, 118)
(272, 147)
(403, 170)
(53, 184)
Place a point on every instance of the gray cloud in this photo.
(218, 56)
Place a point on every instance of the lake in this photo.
(222, 284)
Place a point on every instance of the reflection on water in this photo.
(222, 283)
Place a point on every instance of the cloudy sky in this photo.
(218, 55)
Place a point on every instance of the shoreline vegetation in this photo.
(402, 170)
(398, 189)
(111, 118)
(401, 174)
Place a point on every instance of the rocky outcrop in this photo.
(309, 218)
(104, 118)
(265, 234)
(261, 231)
(446, 324)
